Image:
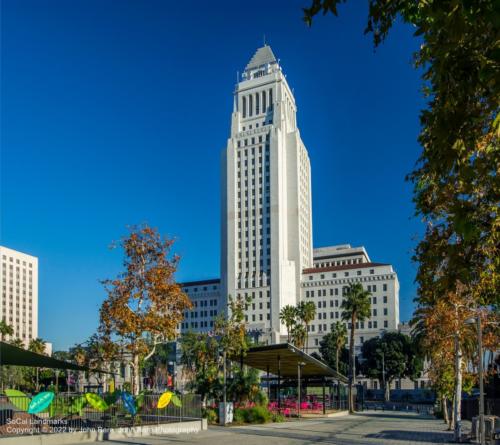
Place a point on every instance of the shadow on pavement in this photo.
(413, 436)
(392, 415)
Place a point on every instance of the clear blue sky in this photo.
(116, 112)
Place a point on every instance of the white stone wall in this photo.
(19, 296)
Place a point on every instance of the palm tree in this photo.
(17, 342)
(5, 329)
(339, 331)
(299, 335)
(306, 312)
(288, 316)
(37, 345)
(356, 308)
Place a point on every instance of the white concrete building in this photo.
(266, 196)
(266, 225)
(325, 284)
(19, 297)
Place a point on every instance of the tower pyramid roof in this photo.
(262, 56)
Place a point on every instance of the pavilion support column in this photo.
(298, 390)
(279, 384)
(324, 397)
(338, 394)
(268, 385)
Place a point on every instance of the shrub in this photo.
(211, 415)
(278, 418)
(261, 399)
(239, 415)
(257, 414)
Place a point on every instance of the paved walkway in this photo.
(370, 427)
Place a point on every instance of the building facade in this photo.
(19, 298)
(266, 195)
(266, 225)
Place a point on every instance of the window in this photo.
(386, 324)
(385, 298)
(372, 271)
(384, 287)
(244, 109)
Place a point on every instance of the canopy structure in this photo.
(12, 355)
(287, 361)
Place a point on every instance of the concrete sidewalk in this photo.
(391, 428)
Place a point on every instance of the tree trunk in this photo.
(337, 359)
(458, 391)
(451, 425)
(387, 391)
(444, 405)
(136, 377)
(352, 370)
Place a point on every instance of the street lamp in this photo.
(477, 322)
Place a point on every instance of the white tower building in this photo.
(266, 197)
(19, 298)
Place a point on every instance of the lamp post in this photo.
(477, 322)
(380, 351)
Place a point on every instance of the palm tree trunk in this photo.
(337, 359)
(352, 371)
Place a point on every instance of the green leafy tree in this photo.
(288, 317)
(200, 359)
(332, 348)
(306, 311)
(356, 307)
(391, 356)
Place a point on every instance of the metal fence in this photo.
(68, 413)
(470, 407)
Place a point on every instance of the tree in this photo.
(299, 335)
(306, 311)
(456, 187)
(5, 329)
(356, 307)
(391, 356)
(288, 317)
(200, 360)
(231, 329)
(144, 304)
(332, 347)
(37, 345)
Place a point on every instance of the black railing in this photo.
(70, 413)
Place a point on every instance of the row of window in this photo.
(257, 103)
(11, 259)
(335, 291)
